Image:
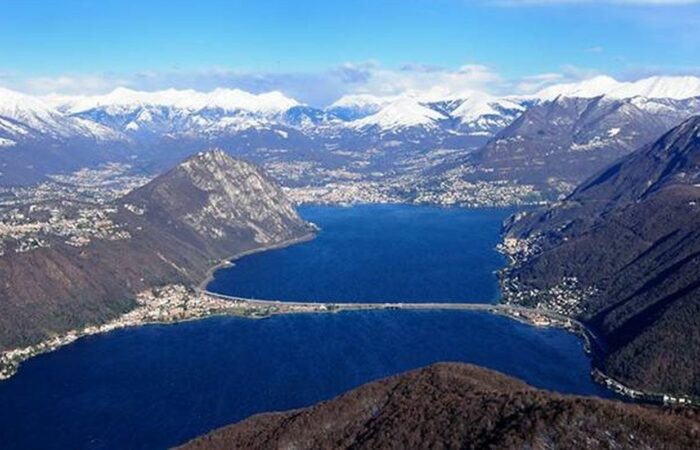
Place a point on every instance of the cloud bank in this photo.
(319, 88)
(315, 88)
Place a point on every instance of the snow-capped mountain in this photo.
(593, 87)
(175, 112)
(226, 112)
(677, 88)
(368, 133)
(482, 114)
(226, 99)
(179, 112)
(25, 117)
(401, 114)
(556, 144)
(353, 107)
(473, 113)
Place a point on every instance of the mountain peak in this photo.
(685, 140)
(671, 161)
(216, 195)
(359, 101)
(402, 113)
(692, 123)
(15, 104)
(672, 87)
(214, 156)
(592, 87)
(209, 167)
(34, 117)
(224, 98)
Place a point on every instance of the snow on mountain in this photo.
(484, 114)
(27, 111)
(400, 114)
(179, 112)
(361, 101)
(119, 100)
(233, 99)
(123, 99)
(172, 112)
(356, 106)
(4, 142)
(677, 88)
(24, 116)
(593, 87)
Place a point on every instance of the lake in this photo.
(378, 253)
(160, 385)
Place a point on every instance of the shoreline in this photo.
(229, 261)
(212, 304)
(11, 360)
(593, 348)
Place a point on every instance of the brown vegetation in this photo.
(632, 232)
(458, 406)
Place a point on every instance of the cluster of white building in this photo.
(171, 303)
(343, 193)
(167, 304)
(76, 224)
(627, 391)
(460, 192)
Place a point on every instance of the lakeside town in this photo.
(166, 305)
(177, 303)
(566, 297)
(77, 207)
(455, 192)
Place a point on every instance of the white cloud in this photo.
(429, 81)
(74, 84)
(534, 83)
(323, 87)
(316, 88)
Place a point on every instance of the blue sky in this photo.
(320, 49)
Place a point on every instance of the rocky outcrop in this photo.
(457, 406)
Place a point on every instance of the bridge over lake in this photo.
(511, 310)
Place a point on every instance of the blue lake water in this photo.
(379, 253)
(158, 386)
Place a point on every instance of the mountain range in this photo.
(410, 146)
(556, 144)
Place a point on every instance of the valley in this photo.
(402, 206)
(395, 224)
